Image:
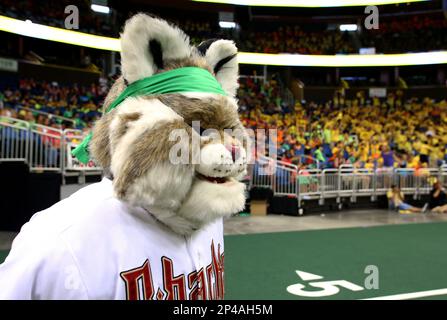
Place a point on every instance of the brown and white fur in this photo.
(133, 142)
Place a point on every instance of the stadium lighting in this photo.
(348, 60)
(348, 27)
(309, 4)
(227, 24)
(39, 31)
(100, 8)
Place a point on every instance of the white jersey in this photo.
(93, 246)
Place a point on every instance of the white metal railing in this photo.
(443, 175)
(49, 149)
(347, 181)
(262, 172)
(14, 139)
(309, 183)
(43, 148)
(284, 179)
(46, 148)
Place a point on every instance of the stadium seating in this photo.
(73, 106)
(417, 32)
(375, 133)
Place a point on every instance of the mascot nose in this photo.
(234, 150)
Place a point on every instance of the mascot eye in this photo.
(206, 132)
(202, 131)
(199, 129)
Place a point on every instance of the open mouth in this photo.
(217, 180)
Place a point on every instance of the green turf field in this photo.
(410, 258)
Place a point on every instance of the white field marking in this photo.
(412, 295)
(307, 276)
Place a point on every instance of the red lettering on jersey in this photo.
(197, 285)
(159, 295)
(192, 285)
(222, 265)
(131, 279)
(201, 286)
(218, 269)
(174, 286)
(207, 283)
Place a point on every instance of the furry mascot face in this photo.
(134, 142)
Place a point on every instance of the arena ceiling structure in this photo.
(309, 4)
(35, 30)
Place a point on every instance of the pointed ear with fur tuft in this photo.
(146, 43)
(221, 55)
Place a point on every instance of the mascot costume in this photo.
(153, 227)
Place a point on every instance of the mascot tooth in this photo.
(152, 218)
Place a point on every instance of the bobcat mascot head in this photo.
(135, 144)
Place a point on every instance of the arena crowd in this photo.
(365, 133)
(376, 133)
(410, 33)
(73, 106)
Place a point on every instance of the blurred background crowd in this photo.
(367, 133)
(400, 34)
(328, 129)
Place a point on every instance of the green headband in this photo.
(187, 79)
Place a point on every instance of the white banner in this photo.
(377, 92)
(74, 164)
(9, 65)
